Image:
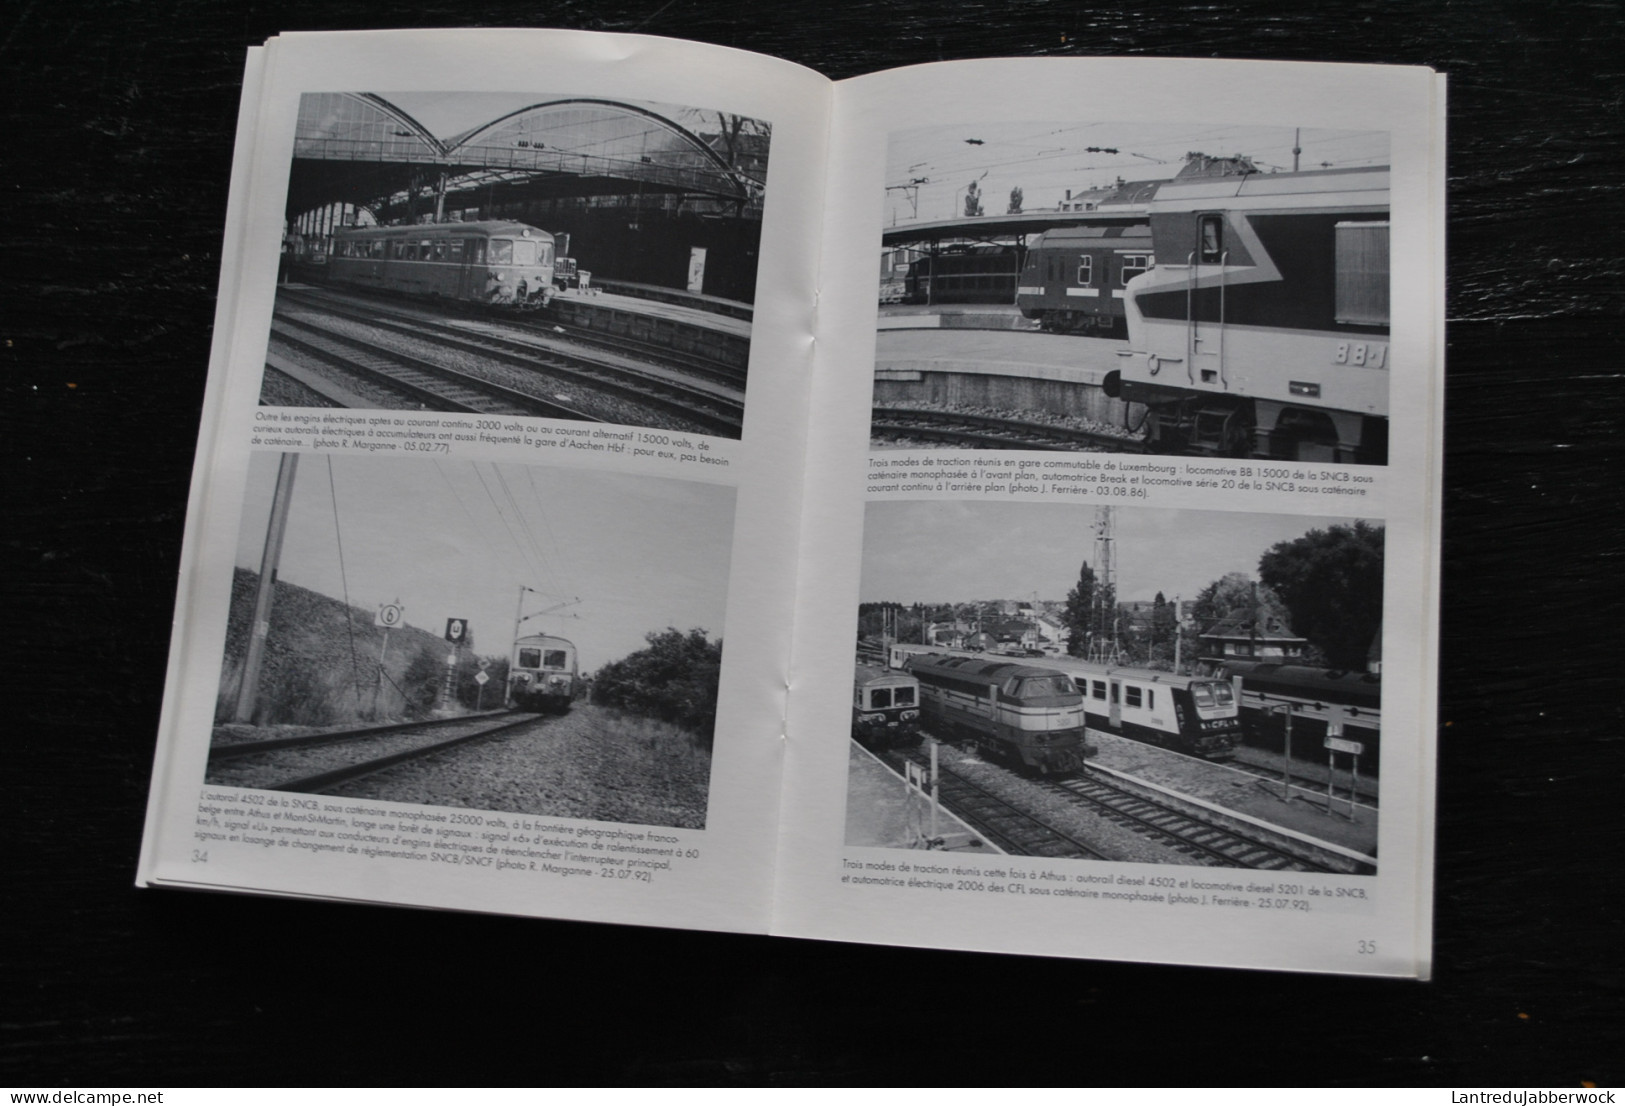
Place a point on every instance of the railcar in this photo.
(500, 264)
(885, 707)
(1029, 716)
(1315, 698)
(964, 274)
(1075, 278)
(1263, 329)
(542, 674)
(1196, 715)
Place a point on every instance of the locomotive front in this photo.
(542, 674)
(885, 707)
(518, 266)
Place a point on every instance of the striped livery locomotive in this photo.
(1263, 329)
(542, 674)
(1030, 716)
(885, 707)
(492, 263)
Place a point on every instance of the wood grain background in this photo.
(119, 126)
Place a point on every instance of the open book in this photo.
(990, 505)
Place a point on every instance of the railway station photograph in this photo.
(487, 636)
(1139, 685)
(541, 254)
(1191, 289)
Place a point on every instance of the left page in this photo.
(488, 574)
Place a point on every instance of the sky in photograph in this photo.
(934, 551)
(1046, 158)
(452, 539)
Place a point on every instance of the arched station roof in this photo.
(359, 148)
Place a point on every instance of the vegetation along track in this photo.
(316, 762)
(712, 407)
(1198, 839)
(984, 431)
(1009, 827)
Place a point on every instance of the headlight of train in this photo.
(909, 715)
(871, 719)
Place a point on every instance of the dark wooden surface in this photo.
(119, 126)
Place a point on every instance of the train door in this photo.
(1114, 709)
(457, 255)
(1205, 304)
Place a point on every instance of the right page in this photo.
(1118, 600)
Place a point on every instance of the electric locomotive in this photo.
(1197, 715)
(542, 674)
(1030, 716)
(885, 707)
(501, 264)
(1263, 329)
(1314, 697)
(1075, 277)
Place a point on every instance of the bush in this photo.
(673, 680)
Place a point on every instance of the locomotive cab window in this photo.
(1223, 694)
(879, 698)
(903, 696)
(1203, 694)
(1210, 235)
(555, 658)
(530, 658)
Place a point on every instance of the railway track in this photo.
(991, 431)
(998, 821)
(437, 387)
(1313, 786)
(714, 405)
(1195, 838)
(316, 762)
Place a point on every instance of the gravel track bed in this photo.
(1070, 816)
(383, 397)
(269, 769)
(581, 765)
(1065, 422)
(280, 390)
(538, 381)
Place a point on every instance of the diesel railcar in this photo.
(1075, 278)
(1029, 716)
(500, 264)
(1263, 329)
(885, 707)
(1316, 698)
(1196, 715)
(542, 674)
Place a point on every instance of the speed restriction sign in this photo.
(389, 615)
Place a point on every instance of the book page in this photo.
(1123, 509)
(487, 587)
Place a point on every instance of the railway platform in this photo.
(722, 339)
(1058, 374)
(955, 316)
(1225, 793)
(880, 813)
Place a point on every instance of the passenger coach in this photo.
(497, 263)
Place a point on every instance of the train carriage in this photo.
(885, 707)
(542, 674)
(1263, 329)
(964, 274)
(1197, 715)
(1030, 716)
(1315, 698)
(501, 264)
(1075, 278)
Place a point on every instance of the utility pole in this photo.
(270, 557)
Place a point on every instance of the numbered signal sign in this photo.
(389, 615)
(456, 630)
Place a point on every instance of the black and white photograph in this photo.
(1125, 684)
(1190, 289)
(489, 636)
(561, 256)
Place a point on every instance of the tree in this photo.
(1331, 583)
(1079, 615)
(674, 680)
